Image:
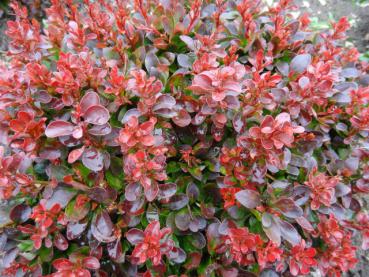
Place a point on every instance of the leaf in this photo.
(248, 198)
(188, 41)
(152, 213)
(20, 213)
(59, 128)
(130, 113)
(91, 263)
(60, 242)
(133, 191)
(135, 236)
(184, 61)
(198, 240)
(178, 201)
(97, 115)
(350, 72)
(182, 119)
(91, 98)
(151, 192)
(113, 181)
(102, 195)
(93, 159)
(289, 232)
(102, 227)
(305, 224)
(100, 130)
(25, 245)
(74, 230)
(288, 207)
(151, 60)
(61, 195)
(75, 154)
(177, 255)
(182, 220)
(167, 190)
(115, 251)
(75, 213)
(271, 228)
(300, 63)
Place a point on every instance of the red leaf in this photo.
(91, 263)
(75, 154)
(183, 119)
(60, 242)
(63, 264)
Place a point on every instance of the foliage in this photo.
(175, 138)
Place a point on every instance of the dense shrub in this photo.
(159, 138)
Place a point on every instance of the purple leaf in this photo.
(133, 191)
(100, 130)
(305, 224)
(350, 72)
(198, 240)
(188, 41)
(74, 230)
(184, 61)
(20, 213)
(288, 208)
(300, 63)
(102, 195)
(248, 198)
(102, 227)
(167, 190)
(151, 60)
(177, 255)
(59, 128)
(9, 257)
(115, 251)
(182, 119)
(93, 159)
(135, 236)
(192, 191)
(151, 192)
(89, 99)
(164, 101)
(130, 113)
(97, 115)
(182, 221)
(61, 195)
(271, 228)
(134, 207)
(197, 223)
(60, 242)
(289, 232)
(178, 201)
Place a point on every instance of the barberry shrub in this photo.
(181, 138)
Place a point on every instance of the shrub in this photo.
(175, 138)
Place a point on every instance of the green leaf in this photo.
(25, 245)
(45, 254)
(173, 167)
(76, 214)
(113, 181)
